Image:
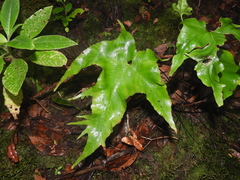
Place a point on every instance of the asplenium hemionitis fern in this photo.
(215, 67)
(124, 73)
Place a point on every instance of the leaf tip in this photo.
(121, 25)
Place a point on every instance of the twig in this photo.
(78, 173)
(161, 137)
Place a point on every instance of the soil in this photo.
(41, 145)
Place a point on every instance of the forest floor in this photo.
(42, 146)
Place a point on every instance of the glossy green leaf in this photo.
(21, 42)
(208, 73)
(9, 15)
(13, 102)
(238, 82)
(68, 7)
(230, 75)
(48, 58)
(15, 28)
(124, 73)
(75, 12)
(50, 42)
(197, 43)
(227, 27)
(57, 10)
(2, 63)
(192, 39)
(2, 39)
(182, 8)
(59, 100)
(14, 76)
(35, 23)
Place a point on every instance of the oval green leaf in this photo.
(2, 62)
(21, 42)
(49, 58)
(2, 39)
(57, 10)
(14, 75)
(9, 15)
(50, 42)
(35, 23)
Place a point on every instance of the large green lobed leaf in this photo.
(230, 74)
(197, 43)
(124, 73)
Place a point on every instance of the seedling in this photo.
(65, 13)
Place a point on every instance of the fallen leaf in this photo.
(133, 141)
(155, 20)
(5, 116)
(12, 153)
(37, 175)
(46, 140)
(68, 169)
(121, 162)
(143, 129)
(165, 69)
(110, 151)
(133, 31)
(161, 49)
(128, 23)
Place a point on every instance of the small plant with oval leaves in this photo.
(41, 50)
(65, 13)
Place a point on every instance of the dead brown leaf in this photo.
(5, 115)
(155, 20)
(121, 162)
(134, 30)
(161, 49)
(133, 141)
(37, 175)
(127, 23)
(46, 140)
(12, 153)
(110, 151)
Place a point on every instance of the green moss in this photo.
(199, 153)
(29, 160)
(27, 8)
(151, 35)
(148, 35)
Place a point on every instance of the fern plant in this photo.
(215, 67)
(124, 73)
